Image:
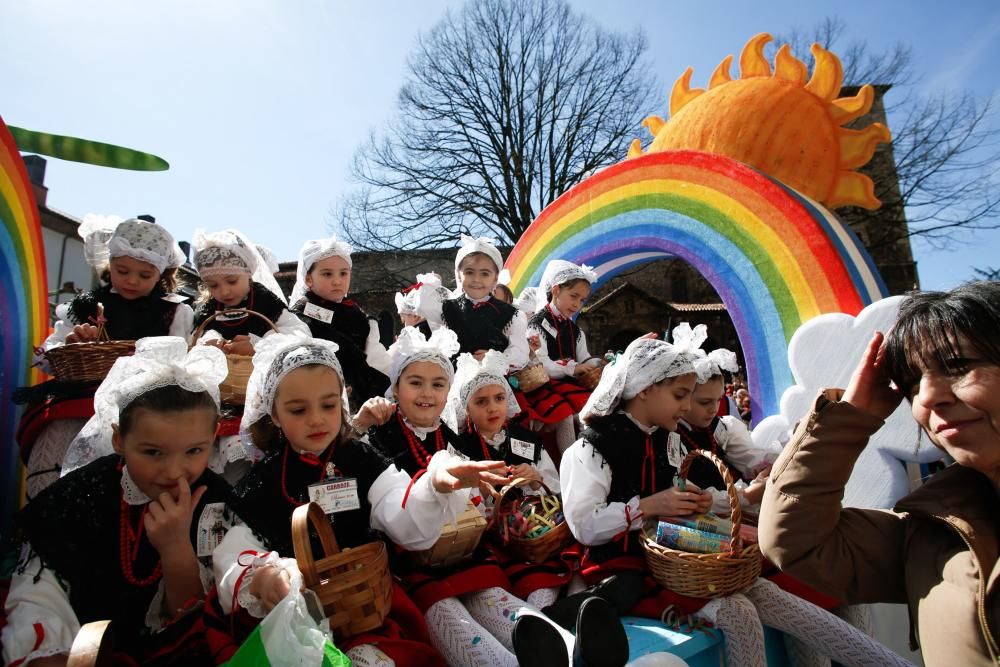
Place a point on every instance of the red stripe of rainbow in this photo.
(776, 258)
(24, 317)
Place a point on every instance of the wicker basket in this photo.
(532, 376)
(233, 390)
(458, 541)
(531, 550)
(704, 575)
(90, 361)
(354, 586)
(93, 646)
(590, 377)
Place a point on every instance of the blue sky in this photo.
(259, 106)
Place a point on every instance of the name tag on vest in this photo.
(318, 313)
(550, 329)
(522, 448)
(675, 450)
(212, 528)
(335, 494)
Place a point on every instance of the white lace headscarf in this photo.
(228, 252)
(714, 363)
(412, 346)
(159, 361)
(270, 259)
(559, 272)
(643, 363)
(107, 237)
(528, 301)
(407, 302)
(276, 356)
(470, 377)
(316, 251)
(471, 245)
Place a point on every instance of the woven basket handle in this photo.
(301, 518)
(734, 500)
(200, 329)
(499, 496)
(102, 333)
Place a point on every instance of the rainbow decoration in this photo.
(24, 317)
(776, 258)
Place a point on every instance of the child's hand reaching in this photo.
(239, 345)
(529, 473)
(462, 474)
(534, 343)
(83, 333)
(674, 502)
(168, 520)
(374, 412)
(270, 585)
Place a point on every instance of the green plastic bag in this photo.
(253, 654)
(294, 634)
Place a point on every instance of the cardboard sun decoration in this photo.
(731, 184)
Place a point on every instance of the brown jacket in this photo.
(937, 550)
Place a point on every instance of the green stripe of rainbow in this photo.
(776, 258)
(24, 316)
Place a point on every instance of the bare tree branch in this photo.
(505, 107)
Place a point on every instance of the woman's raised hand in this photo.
(869, 389)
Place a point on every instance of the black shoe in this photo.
(600, 637)
(621, 590)
(537, 643)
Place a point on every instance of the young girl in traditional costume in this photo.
(320, 299)
(480, 407)
(727, 436)
(296, 412)
(137, 262)
(561, 348)
(129, 537)
(622, 470)
(237, 278)
(480, 320)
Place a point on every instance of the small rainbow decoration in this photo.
(776, 258)
(24, 316)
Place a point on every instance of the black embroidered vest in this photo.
(563, 344)
(348, 328)
(472, 446)
(390, 440)
(478, 326)
(702, 471)
(260, 300)
(74, 527)
(263, 491)
(622, 445)
(127, 319)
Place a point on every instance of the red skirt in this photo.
(553, 401)
(427, 586)
(525, 578)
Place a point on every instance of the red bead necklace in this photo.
(308, 457)
(128, 543)
(417, 449)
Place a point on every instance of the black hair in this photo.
(929, 325)
(171, 398)
(168, 281)
(569, 284)
(507, 293)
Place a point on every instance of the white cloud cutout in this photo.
(823, 353)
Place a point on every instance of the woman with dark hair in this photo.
(937, 550)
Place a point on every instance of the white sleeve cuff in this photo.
(248, 600)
